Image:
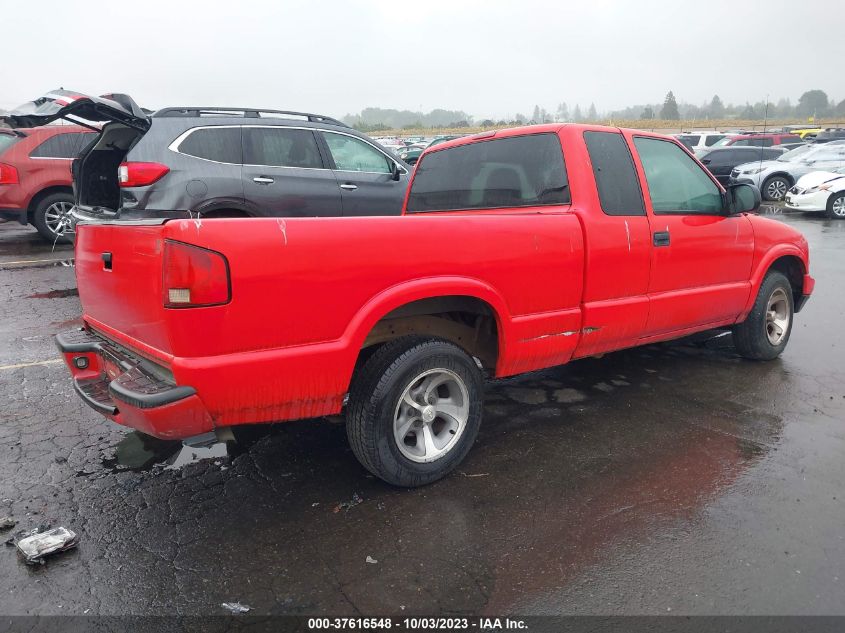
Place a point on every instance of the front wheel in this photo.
(765, 333)
(414, 410)
(836, 206)
(775, 188)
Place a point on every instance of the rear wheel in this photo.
(51, 217)
(765, 333)
(775, 188)
(836, 206)
(414, 410)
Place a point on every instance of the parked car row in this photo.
(180, 162)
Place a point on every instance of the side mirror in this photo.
(395, 173)
(743, 198)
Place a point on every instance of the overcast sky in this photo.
(489, 58)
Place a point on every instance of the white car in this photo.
(701, 140)
(819, 191)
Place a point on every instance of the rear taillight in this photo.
(194, 276)
(8, 175)
(133, 174)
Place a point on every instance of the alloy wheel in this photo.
(57, 217)
(431, 415)
(777, 316)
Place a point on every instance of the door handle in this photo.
(349, 186)
(263, 180)
(661, 238)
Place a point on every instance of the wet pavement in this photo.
(673, 478)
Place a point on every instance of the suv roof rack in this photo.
(247, 113)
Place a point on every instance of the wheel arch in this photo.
(43, 193)
(466, 312)
(791, 262)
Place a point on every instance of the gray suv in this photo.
(220, 162)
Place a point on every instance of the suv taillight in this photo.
(194, 276)
(8, 175)
(133, 174)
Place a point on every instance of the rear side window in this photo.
(6, 141)
(711, 139)
(63, 145)
(616, 178)
(676, 183)
(220, 144)
(281, 147)
(519, 171)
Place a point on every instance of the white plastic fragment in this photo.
(35, 545)
(236, 607)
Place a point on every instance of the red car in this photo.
(518, 250)
(36, 185)
(758, 139)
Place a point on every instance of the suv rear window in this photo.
(63, 145)
(281, 147)
(518, 171)
(220, 144)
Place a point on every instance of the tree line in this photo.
(813, 103)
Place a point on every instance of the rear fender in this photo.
(397, 296)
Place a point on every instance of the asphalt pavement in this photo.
(674, 478)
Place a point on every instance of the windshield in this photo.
(794, 153)
(6, 141)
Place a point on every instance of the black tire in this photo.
(838, 200)
(752, 336)
(775, 183)
(374, 400)
(39, 217)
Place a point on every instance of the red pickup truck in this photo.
(517, 250)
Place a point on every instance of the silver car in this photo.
(775, 177)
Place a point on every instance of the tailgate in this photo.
(119, 274)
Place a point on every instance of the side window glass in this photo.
(352, 154)
(62, 145)
(281, 147)
(220, 144)
(676, 183)
(713, 138)
(616, 178)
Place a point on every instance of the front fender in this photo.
(763, 266)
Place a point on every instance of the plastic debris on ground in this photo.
(43, 541)
(7, 523)
(371, 560)
(236, 607)
(347, 505)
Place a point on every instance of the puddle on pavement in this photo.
(55, 294)
(139, 452)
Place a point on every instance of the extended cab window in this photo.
(220, 144)
(62, 145)
(517, 171)
(616, 178)
(353, 154)
(676, 183)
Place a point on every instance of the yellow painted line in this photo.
(36, 261)
(38, 362)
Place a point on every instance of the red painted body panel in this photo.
(563, 282)
(35, 175)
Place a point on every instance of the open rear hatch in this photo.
(120, 122)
